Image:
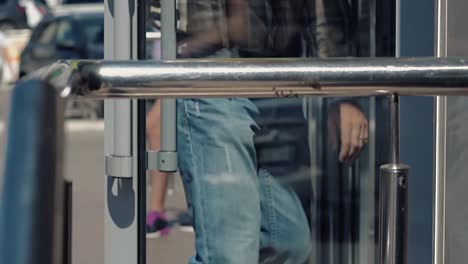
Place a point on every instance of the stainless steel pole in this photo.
(393, 200)
(393, 217)
(122, 107)
(167, 158)
(395, 129)
(121, 181)
(440, 143)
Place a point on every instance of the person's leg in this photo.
(285, 236)
(156, 219)
(158, 179)
(218, 168)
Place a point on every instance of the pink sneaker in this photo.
(156, 225)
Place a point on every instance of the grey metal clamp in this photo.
(161, 160)
(119, 167)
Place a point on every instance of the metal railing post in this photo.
(167, 158)
(393, 200)
(32, 201)
(440, 159)
(122, 221)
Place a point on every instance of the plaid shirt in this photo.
(274, 28)
(205, 14)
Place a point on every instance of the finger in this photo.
(354, 157)
(365, 130)
(356, 153)
(364, 134)
(345, 140)
(364, 138)
(356, 142)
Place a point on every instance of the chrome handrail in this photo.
(260, 78)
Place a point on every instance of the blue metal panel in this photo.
(417, 129)
(33, 178)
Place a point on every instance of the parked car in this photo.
(69, 33)
(21, 14)
(66, 2)
(2, 60)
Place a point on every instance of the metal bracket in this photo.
(152, 160)
(119, 167)
(162, 161)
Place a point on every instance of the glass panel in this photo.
(456, 235)
(65, 36)
(93, 30)
(47, 36)
(263, 177)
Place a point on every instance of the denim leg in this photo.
(285, 235)
(218, 168)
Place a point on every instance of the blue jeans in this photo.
(242, 215)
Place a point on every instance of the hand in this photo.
(348, 120)
(354, 131)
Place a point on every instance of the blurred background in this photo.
(35, 33)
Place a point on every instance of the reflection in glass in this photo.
(301, 142)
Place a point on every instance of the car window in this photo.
(37, 32)
(46, 37)
(66, 34)
(94, 30)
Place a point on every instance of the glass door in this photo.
(279, 180)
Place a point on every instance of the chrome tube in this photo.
(393, 216)
(393, 199)
(271, 78)
(440, 161)
(167, 160)
(122, 51)
(395, 129)
(440, 180)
